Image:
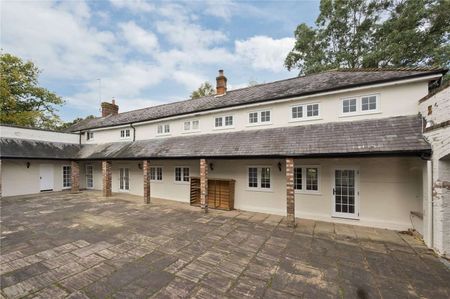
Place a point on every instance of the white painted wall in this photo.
(17, 179)
(394, 100)
(390, 188)
(22, 133)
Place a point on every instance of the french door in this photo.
(124, 179)
(345, 193)
(89, 177)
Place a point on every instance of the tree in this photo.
(22, 101)
(68, 124)
(373, 33)
(205, 89)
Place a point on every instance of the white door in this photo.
(346, 193)
(46, 177)
(124, 179)
(89, 177)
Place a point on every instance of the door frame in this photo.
(357, 197)
(52, 185)
(92, 167)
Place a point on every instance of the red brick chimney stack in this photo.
(221, 84)
(109, 108)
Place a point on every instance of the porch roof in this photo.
(395, 135)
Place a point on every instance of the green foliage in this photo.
(22, 101)
(64, 126)
(205, 89)
(373, 33)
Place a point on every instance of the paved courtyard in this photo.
(59, 245)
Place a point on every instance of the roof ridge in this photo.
(392, 69)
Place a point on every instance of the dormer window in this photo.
(191, 126)
(223, 122)
(305, 112)
(125, 133)
(259, 117)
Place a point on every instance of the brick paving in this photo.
(62, 245)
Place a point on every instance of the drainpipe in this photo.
(79, 134)
(134, 131)
(430, 203)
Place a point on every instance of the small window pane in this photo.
(178, 174)
(67, 176)
(187, 125)
(160, 129)
(195, 125)
(159, 173)
(265, 177)
(152, 173)
(228, 120)
(297, 112)
(122, 133)
(253, 117)
(218, 122)
(369, 103)
(265, 116)
(312, 175)
(312, 110)
(253, 177)
(297, 178)
(166, 128)
(186, 174)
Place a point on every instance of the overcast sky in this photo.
(148, 53)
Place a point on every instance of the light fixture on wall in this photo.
(139, 165)
(211, 166)
(279, 166)
(28, 164)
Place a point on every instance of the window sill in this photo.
(223, 128)
(259, 124)
(163, 135)
(156, 181)
(66, 188)
(259, 190)
(124, 191)
(343, 115)
(304, 119)
(308, 192)
(125, 138)
(191, 132)
(181, 183)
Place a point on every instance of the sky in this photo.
(148, 53)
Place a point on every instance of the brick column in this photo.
(0, 178)
(146, 169)
(290, 196)
(204, 185)
(107, 178)
(75, 174)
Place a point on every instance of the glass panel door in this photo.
(124, 179)
(345, 193)
(89, 176)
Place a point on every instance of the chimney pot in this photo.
(221, 83)
(109, 108)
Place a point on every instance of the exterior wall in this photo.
(43, 135)
(390, 188)
(17, 179)
(437, 134)
(395, 100)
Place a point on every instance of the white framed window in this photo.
(89, 135)
(163, 129)
(191, 125)
(364, 104)
(305, 112)
(156, 174)
(259, 117)
(89, 176)
(67, 176)
(223, 122)
(307, 179)
(125, 133)
(259, 178)
(182, 174)
(124, 179)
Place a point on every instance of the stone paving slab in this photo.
(78, 246)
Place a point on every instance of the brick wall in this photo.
(290, 196)
(146, 170)
(204, 184)
(75, 166)
(106, 176)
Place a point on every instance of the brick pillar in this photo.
(75, 174)
(204, 185)
(290, 196)
(146, 169)
(107, 180)
(0, 178)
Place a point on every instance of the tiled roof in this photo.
(34, 149)
(396, 135)
(298, 86)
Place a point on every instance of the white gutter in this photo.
(139, 123)
(430, 238)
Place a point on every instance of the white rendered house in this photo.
(349, 146)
